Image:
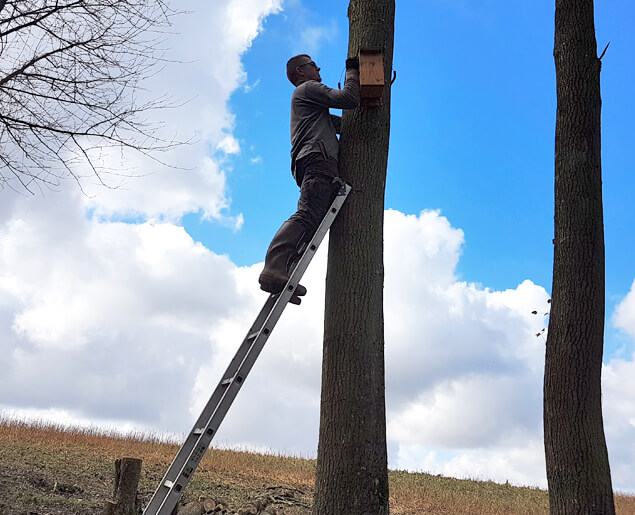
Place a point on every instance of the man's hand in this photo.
(352, 63)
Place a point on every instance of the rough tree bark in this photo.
(127, 474)
(576, 456)
(352, 475)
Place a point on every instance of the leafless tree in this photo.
(71, 74)
(578, 470)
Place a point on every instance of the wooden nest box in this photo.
(371, 76)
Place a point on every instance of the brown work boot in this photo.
(274, 283)
(282, 253)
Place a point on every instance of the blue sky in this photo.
(154, 283)
(473, 118)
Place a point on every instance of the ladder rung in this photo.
(253, 335)
(226, 382)
(198, 431)
(168, 483)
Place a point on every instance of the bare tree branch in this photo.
(71, 74)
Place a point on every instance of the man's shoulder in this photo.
(306, 88)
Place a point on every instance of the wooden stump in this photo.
(127, 473)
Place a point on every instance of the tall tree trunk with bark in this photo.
(578, 470)
(352, 474)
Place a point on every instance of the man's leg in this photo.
(280, 257)
(316, 194)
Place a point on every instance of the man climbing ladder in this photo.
(314, 153)
(314, 166)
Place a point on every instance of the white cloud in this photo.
(624, 316)
(250, 87)
(114, 319)
(523, 464)
(204, 69)
(618, 394)
(443, 329)
(108, 320)
(136, 323)
(314, 37)
(464, 367)
(229, 145)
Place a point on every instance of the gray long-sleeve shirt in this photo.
(313, 128)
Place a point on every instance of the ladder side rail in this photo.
(280, 302)
(173, 490)
(276, 304)
(202, 422)
(250, 357)
(192, 441)
(189, 456)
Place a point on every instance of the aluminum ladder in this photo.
(169, 491)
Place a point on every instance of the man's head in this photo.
(301, 68)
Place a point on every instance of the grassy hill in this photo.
(50, 470)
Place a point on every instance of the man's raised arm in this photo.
(346, 98)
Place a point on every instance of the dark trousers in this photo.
(315, 176)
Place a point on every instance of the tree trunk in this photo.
(127, 474)
(352, 474)
(576, 456)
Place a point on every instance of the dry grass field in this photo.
(50, 470)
